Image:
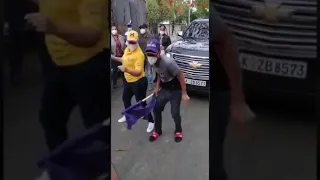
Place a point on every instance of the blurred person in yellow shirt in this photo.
(135, 82)
(76, 34)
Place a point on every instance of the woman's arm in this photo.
(118, 59)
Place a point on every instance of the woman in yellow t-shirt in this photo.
(135, 82)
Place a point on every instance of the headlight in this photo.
(168, 55)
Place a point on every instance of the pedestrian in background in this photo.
(76, 34)
(170, 87)
(129, 28)
(117, 48)
(145, 38)
(135, 82)
(164, 38)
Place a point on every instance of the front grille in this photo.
(201, 73)
(289, 37)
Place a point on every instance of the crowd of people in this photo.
(138, 59)
(119, 43)
(77, 47)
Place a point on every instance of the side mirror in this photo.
(180, 33)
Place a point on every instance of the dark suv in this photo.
(192, 55)
(277, 44)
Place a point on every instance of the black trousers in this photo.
(86, 85)
(219, 114)
(164, 96)
(115, 72)
(137, 89)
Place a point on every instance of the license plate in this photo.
(285, 68)
(196, 82)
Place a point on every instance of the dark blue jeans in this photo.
(137, 89)
(219, 119)
(87, 85)
(164, 96)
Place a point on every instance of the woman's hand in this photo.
(122, 68)
(41, 22)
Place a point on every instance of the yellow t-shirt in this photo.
(89, 13)
(133, 60)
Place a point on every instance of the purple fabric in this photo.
(136, 111)
(85, 157)
(153, 46)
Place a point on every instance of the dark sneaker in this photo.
(154, 135)
(178, 136)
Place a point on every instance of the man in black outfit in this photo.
(226, 96)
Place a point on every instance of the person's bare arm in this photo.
(114, 175)
(79, 36)
(118, 59)
(182, 82)
(158, 81)
(228, 55)
(89, 32)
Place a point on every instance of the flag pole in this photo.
(145, 99)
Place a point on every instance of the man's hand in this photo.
(122, 68)
(156, 90)
(41, 22)
(185, 98)
(241, 112)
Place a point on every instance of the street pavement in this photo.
(278, 145)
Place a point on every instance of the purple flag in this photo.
(85, 157)
(138, 110)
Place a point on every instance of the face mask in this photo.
(132, 47)
(161, 32)
(114, 32)
(152, 60)
(142, 31)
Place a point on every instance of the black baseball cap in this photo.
(143, 26)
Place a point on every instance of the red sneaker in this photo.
(154, 135)
(178, 136)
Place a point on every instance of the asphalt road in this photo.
(278, 145)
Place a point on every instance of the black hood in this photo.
(194, 47)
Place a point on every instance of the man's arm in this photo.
(182, 81)
(228, 55)
(93, 13)
(158, 81)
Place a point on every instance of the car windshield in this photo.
(198, 30)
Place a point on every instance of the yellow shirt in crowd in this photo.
(89, 13)
(133, 60)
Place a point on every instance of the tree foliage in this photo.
(202, 9)
(155, 12)
(175, 11)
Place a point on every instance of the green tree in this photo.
(156, 12)
(201, 9)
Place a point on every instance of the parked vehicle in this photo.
(277, 43)
(192, 55)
